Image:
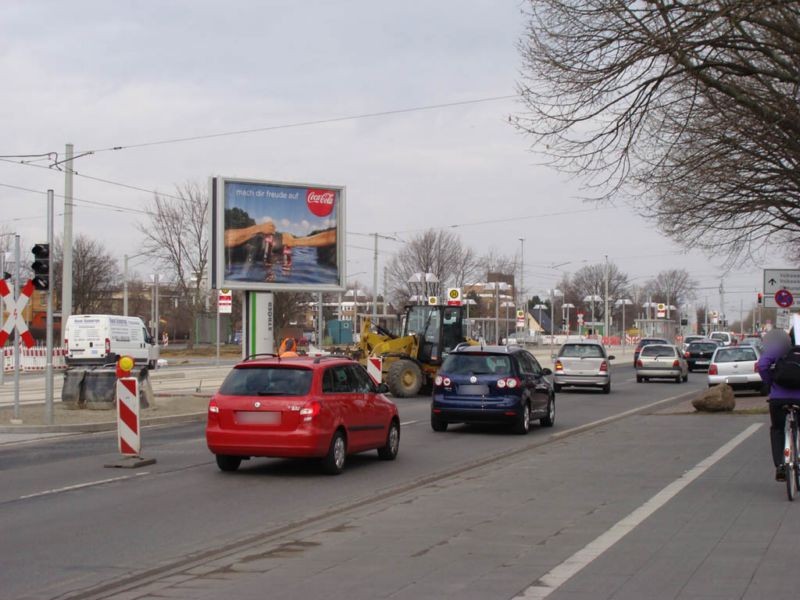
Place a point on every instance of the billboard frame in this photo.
(217, 264)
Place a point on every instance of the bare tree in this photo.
(691, 106)
(95, 274)
(590, 281)
(674, 286)
(176, 238)
(434, 251)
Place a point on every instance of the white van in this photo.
(102, 339)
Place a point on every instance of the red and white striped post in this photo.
(129, 435)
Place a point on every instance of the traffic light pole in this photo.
(48, 375)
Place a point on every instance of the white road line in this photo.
(81, 485)
(409, 422)
(560, 574)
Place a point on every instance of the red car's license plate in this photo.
(260, 417)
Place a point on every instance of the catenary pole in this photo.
(66, 280)
(17, 287)
(48, 373)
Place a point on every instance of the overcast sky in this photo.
(104, 74)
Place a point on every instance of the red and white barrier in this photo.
(128, 433)
(375, 368)
(32, 359)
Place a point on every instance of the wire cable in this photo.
(309, 123)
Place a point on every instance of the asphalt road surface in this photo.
(613, 502)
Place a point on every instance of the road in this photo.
(473, 512)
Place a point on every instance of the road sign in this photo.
(14, 309)
(433, 300)
(225, 301)
(454, 297)
(783, 298)
(776, 280)
(520, 318)
(782, 318)
(580, 318)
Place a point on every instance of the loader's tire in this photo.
(404, 378)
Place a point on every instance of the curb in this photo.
(105, 426)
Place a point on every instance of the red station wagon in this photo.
(324, 407)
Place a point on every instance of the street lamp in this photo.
(554, 293)
(506, 304)
(623, 302)
(566, 305)
(423, 279)
(126, 257)
(497, 286)
(591, 300)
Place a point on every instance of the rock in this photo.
(715, 399)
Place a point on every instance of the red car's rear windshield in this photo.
(267, 381)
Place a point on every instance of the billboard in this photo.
(269, 235)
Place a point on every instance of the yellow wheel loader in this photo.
(411, 360)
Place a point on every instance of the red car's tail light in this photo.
(687, 354)
(712, 370)
(213, 411)
(676, 363)
(639, 363)
(603, 367)
(310, 410)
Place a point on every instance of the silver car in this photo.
(735, 366)
(662, 361)
(582, 364)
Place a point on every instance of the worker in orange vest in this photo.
(288, 348)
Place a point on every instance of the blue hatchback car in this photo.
(493, 384)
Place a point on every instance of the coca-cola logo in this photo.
(320, 202)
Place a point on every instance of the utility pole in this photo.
(722, 317)
(66, 279)
(384, 292)
(605, 302)
(16, 420)
(524, 302)
(375, 283)
(125, 285)
(48, 373)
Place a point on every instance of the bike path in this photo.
(498, 531)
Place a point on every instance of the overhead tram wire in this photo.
(309, 123)
(89, 203)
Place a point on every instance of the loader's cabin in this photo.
(440, 329)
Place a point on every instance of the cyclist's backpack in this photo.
(787, 369)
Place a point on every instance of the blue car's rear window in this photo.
(477, 364)
(267, 381)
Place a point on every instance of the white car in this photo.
(724, 338)
(736, 366)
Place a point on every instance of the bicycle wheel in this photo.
(795, 474)
(791, 457)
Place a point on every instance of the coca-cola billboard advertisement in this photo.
(270, 235)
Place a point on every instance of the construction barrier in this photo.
(128, 436)
(33, 359)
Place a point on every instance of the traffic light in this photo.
(41, 267)
(760, 298)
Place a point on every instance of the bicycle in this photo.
(790, 450)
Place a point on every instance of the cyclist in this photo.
(776, 344)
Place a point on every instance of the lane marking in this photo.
(557, 576)
(404, 423)
(78, 486)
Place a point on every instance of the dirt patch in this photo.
(33, 414)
